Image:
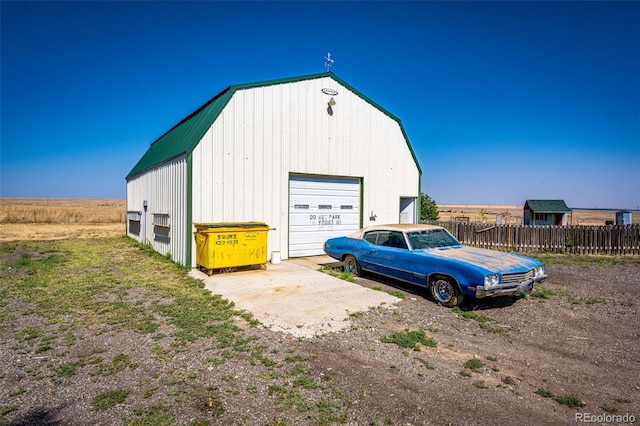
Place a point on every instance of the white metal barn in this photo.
(310, 156)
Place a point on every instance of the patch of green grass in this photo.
(474, 364)
(30, 333)
(120, 362)
(570, 400)
(410, 339)
(214, 403)
(296, 358)
(376, 288)
(6, 409)
(157, 414)
(426, 363)
(258, 355)
(69, 368)
(300, 369)
(541, 292)
(109, 399)
(17, 392)
(545, 393)
(305, 381)
(483, 321)
(326, 410)
(491, 358)
(214, 361)
(397, 293)
(480, 384)
(472, 315)
(339, 273)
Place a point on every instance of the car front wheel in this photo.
(445, 292)
(352, 266)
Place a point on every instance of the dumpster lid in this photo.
(230, 225)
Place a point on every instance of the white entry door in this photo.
(321, 208)
(407, 210)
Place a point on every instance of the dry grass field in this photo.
(513, 214)
(62, 210)
(56, 218)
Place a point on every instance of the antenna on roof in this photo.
(328, 61)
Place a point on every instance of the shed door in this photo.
(321, 208)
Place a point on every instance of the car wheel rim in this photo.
(349, 266)
(443, 291)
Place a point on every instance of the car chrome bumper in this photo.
(509, 289)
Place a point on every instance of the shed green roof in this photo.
(547, 206)
(184, 136)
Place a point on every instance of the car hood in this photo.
(491, 260)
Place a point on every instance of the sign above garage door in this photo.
(321, 207)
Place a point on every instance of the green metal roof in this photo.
(184, 136)
(547, 206)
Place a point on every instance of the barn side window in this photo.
(161, 219)
(134, 218)
(161, 228)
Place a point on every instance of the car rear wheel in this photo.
(445, 292)
(352, 266)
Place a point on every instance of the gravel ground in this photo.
(577, 342)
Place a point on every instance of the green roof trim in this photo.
(547, 206)
(182, 138)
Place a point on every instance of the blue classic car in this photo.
(431, 257)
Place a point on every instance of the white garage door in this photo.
(321, 208)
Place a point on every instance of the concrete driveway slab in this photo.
(294, 297)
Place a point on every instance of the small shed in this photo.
(546, 212)
(623, 217)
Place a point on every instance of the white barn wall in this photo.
(165, 189)
(241, 166)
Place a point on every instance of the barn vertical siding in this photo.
(242, 164)
(165, 189)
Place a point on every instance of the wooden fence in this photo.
(610, 239)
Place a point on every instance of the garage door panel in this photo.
(321, 208)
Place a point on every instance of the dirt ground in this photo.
(582, 341)
(577, 342)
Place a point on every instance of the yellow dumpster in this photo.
(229, 245)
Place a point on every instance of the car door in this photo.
(369, 248)
(388, 255)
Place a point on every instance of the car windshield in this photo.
(433, 238)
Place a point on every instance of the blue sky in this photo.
(501, 101)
